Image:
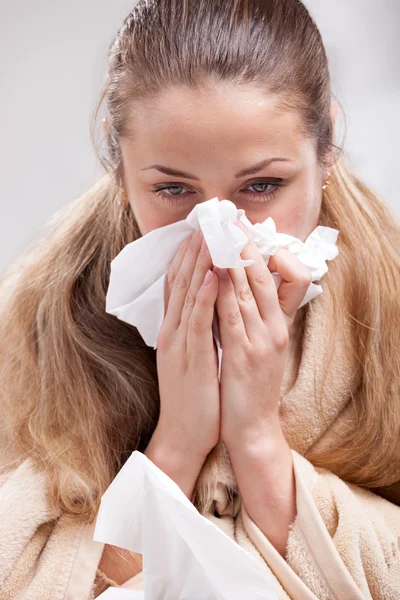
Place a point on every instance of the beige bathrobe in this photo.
(344, 543)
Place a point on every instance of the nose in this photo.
(213, 193)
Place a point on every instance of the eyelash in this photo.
(175, 199)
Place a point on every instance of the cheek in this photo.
(150, 216)
(297, 216)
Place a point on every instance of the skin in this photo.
(213, 135)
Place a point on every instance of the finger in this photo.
(230, 317)
(182, 282)
(246, 302)
(200, 340)
(261, 282)
(203, 263)
(174, 268)
(296, 279)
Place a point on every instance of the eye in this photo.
(257, 196)
(271, 193)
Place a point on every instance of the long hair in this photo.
(78, 387)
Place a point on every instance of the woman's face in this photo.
(209, 142)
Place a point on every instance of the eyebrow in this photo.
(243, 173)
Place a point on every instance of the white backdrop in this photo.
(52, 64)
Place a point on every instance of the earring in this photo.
(327, 182)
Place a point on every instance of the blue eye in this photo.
(179, 198)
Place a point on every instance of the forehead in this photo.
(218, 118)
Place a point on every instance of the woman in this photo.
(296, 455)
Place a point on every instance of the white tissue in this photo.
(185, 555)
(136, 288)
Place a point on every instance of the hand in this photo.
(187, 361)
(254, 322)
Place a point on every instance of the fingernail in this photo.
(208, 278)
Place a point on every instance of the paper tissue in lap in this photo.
(185, 556)
(136, 288)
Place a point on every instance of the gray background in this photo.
(52, 65)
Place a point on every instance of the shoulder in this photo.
(38, 544)
(24, 497)
(27, 521)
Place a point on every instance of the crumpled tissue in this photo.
(137, 278)
(185, 555)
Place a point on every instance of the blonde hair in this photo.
(78, 387)
(365, 285)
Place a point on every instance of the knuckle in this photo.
(190, 300)
(234, 318)
(280, 339)
(170, 277)
(245, 293)
(263, 277)
(181, 280)
(198, 326)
